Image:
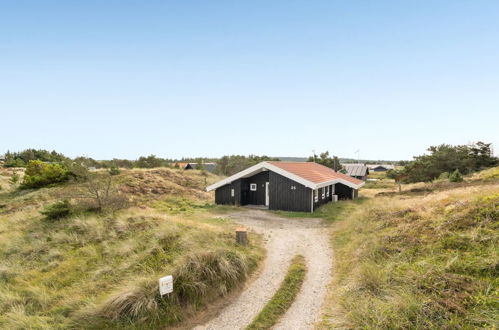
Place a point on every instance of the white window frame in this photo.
(232, 193)
(316, 195)
(323, 192)
(253, 186)
(327, 191)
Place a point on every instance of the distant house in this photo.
(181, 165)
(288, 186)
(380, 167)
(210, 167)
(358, 171)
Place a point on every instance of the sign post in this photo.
(166, 285)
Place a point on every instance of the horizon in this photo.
(126, 79)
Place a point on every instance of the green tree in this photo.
(447, 158)
(150, 161)
(326, 160)
(228, 165)
(456, 176)
(114, 171)
(39, 174)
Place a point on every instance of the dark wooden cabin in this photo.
(288, 186)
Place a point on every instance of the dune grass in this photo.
(283, 298)
(97, 271)
(419, 261)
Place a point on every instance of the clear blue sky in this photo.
(207, 78)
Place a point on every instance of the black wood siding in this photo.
(254, 197)
(223, 194)
(345, 192)
(282, 197)
(326, 198)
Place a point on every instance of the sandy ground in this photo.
(284, 238)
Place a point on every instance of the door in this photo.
(266, 194)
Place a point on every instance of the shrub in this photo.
(39, 174)
(57, 210)
(456, 176)
(444, 176)
(14, 163)
(99, 193)
(14, 178)
(114, 170)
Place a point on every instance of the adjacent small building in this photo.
(380, 167)
(287, 186)
(358, 171)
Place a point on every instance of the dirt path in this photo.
(284, 239)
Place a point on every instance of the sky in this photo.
(122, 79)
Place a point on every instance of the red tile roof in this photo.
(314, 172)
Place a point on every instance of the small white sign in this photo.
(166, 285)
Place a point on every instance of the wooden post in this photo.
(241, 236)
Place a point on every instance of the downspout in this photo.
(312, 201)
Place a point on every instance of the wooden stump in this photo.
(241, 236)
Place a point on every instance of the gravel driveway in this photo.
(284, 238)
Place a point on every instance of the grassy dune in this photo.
(426, 258)
(101, 271)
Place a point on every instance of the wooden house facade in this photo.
(288, 186)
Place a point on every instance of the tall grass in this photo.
(101, 271)
(422, 261)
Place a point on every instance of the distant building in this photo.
(358, 171)
(210, 167)
(181, 165)
(380, 167)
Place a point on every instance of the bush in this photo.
(14, 178)
(100, 193)
(456, 176)
(114, 170)
(14, 163)
(57, 210)
(444, 176)
(39, 174)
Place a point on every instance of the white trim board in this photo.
(263, 166)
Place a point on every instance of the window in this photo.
(253, 186)
(316, 195)
(327, 191)
(232, 193)
(293, 187)
(323, 192)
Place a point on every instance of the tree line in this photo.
(447, 161)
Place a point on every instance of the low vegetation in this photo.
(67, 265)
(422, 259)
(283, 298)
